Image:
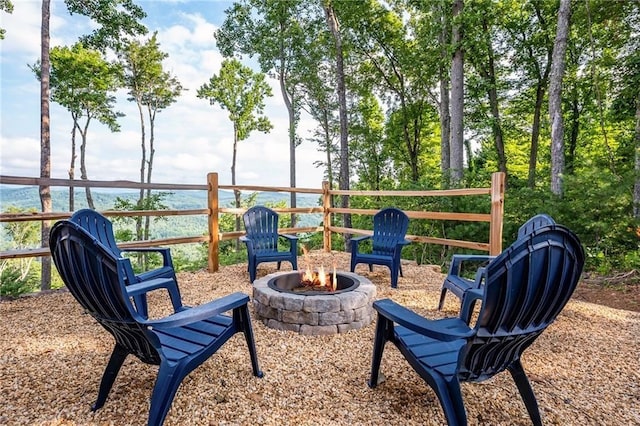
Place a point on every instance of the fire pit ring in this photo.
(290, 283)
(314, 312)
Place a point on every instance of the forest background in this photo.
(405, 95)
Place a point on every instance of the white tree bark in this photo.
(555, 97)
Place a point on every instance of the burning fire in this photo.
(319, 279)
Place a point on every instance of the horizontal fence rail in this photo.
(213, 210)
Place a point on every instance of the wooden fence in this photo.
(213, 210)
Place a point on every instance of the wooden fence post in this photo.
(214, 234)
(497, 213)
(326, 204)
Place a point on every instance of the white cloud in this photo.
(192, 138)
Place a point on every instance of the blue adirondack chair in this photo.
(261, 225)
(177, 343)
(389, 229)
(526, 287)
(459, 285)
(102, 229)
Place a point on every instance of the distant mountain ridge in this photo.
(28, 197)
(104, 199)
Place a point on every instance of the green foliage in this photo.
(117, 20)
(240, 91)
(19, 276)
(5, 6)
(145, 78)
(83, 82)
(13, 282)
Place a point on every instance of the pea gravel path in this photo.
(585, 368)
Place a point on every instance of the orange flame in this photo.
(320, 279)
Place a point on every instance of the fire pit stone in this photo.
(314, 314)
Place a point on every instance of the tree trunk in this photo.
(334, 27)
(457, 96)
(492, 93)
(236, 193)
(152, 151)
(45, 142)
(445, 118)
(83, 166)
(72, 163)
(535, 134)
(288, 102)
(636, 187)
(555, 97)
(143, 164)
(541, 87)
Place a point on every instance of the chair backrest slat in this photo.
(98, 226)
(261, 225)
(389, 227)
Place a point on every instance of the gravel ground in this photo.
(585, 368)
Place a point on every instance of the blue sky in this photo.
(192, 137)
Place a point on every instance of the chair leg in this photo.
(279, 263)
(450, 397)
(241, 317)
(394, 277)
(252, 271)
(371, 267)
(443, 293)
(167, 383)
(529, 398)
(118, 356)
(384, 329)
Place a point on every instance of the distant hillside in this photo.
(173, 226)
(27, 197)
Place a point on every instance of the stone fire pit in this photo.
(316, 313)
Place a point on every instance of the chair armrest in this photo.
(249, 243)
(469, 299)
(458, 259)
(404, 242)
(447, 329)
(289, 237)
(164, 251)
(146, 286)
(357, 240)
(201, 312)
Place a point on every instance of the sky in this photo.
(192, 138)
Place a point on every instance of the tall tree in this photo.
(457, 94)
(528, 34)
(485, 59)
(115, 18)
(84, 83)
(240, 91)
(153, 89)
(386, 41)
(274, 31)
(444, 83)
(45, 140)
(334, 28)
(555, 97)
